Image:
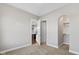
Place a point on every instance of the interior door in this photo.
(38, 32)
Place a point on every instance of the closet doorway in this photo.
(63, 30)
(43, 32)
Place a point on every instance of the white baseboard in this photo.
(8, 50)
(74, 52)
(52, 45)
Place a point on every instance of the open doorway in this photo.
(63, 31)
(43, 32)
(34, 31)
(39, 32)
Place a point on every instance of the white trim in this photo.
(74, 52)
(4, 51)
(66, 43)
(52, 45)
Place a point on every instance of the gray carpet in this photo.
(41, 50)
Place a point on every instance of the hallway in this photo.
(40, 50)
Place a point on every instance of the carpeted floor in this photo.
(41, 50)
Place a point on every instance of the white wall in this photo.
(72, 11)
(74, 35)
(15, 27)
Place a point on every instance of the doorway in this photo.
(34, 30)
(43, 32)
(39, 32)
(63, 30)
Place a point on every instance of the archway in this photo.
(63, 30)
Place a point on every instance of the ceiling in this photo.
(38, 9)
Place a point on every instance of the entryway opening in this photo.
(34, 31)
(43, 32)
(39, 32)
(63, 31)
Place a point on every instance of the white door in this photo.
(38, 32)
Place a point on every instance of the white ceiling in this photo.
(38, 9)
